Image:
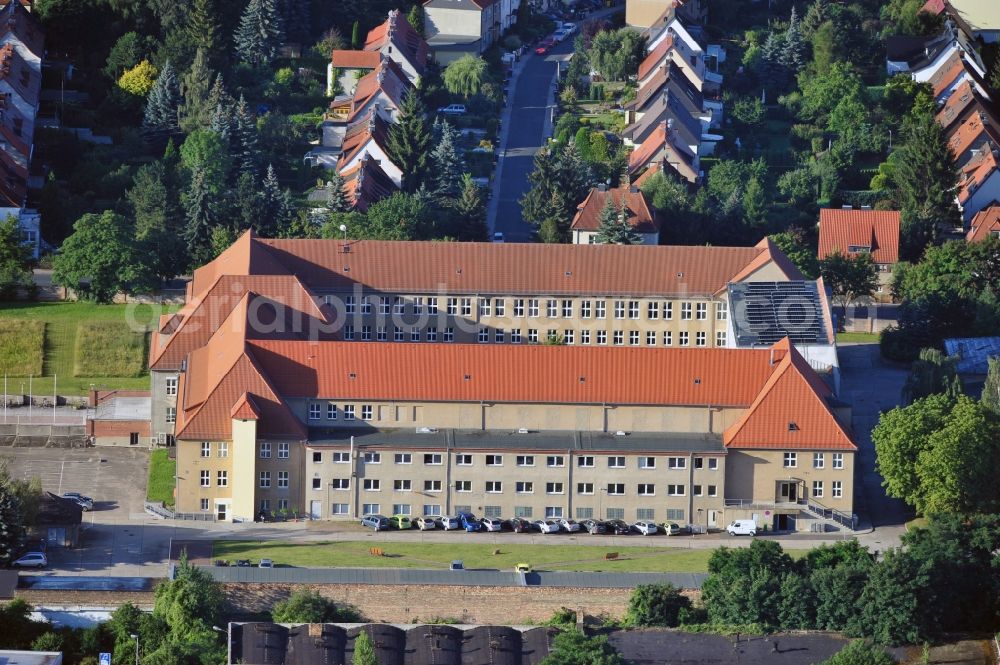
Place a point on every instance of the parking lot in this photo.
(114, 477)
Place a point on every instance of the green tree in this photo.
(793, 244)
(402, 216)
(926, 177)
(613, 225)
(570, 647)
(582, 143)
(336, 196)
(259, 34)
(138, 80)
(956, 468)
(12, 526)
(465, 76)
(205, 151)
(197, 88)
(415, 18)
(796, 52)
(48, 641)
(797, 610)
(201, 211)
(189, 605)
(244, 139)
(471, 210)
(204, 30)
(101, 258)
(130, 49)
(364, 650)
(933, 372)
(860, 652)
(410, 142)
(900, 436)
(656, 605)
(991, 388)
(15, 257)
(305, 606)
(554, 224)
(851, 278)
(821, 93)
(889, 609)
(163, 102)
(744, 584)
(447, 162)
(356, 35)
(276, 209)
(159, 220)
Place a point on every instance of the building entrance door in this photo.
(222, 511)
(315, 509)
(788, 491)
(712, 519)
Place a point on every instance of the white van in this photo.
(742, 528)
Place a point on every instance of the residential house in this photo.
(962, 103)
(384, 88)
(394, 39)
(979, 19)
(853, 231)
(646, 14)
(629, 200)
(977, 133)
(670, 148)
(978, 185)
(678, 110)
(368, 138)
(953, 72)
(367, 183)
(466, 27)
(985, 224)
(21, 50)
(923, 57)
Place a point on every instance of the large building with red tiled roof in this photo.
(315, 376)
(629, 200)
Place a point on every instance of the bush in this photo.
(860, 652)
(657, 605)
(305, 606)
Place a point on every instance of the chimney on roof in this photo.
(633, 189)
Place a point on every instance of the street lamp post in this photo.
(136, 638)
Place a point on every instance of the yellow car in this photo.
(401, 522)
(522, 568)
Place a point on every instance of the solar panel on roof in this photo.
(766, 312)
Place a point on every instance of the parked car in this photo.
(674, 529)
(646, 528)
(520, 525)
(559, 35)
(547, 526)
(498, 237)
(469, 522)
(569, 28)
(742, 528)
(448, 523)
(618, 527)
(428, 523)
(266, 563)
(401, 522)
(569, 526)
(84, 502)
(243, 563)
(453, 109)
(522, 567)
(544, 46)
(594, 527)
(32, 560)
(377, 522)
(491, 524)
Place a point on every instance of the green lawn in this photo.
(107, 348)
(858, 337)
(62, 322)
(162, 470)
(21, 344)
(354, 554)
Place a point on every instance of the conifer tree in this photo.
(795, 55)
(336, 197)
(295, 16)
(259, 33)
(163, 102)
(222, 108)
(448, 164)
(613, 225)
(244, 138)
(199, 204)
(416, 18)
(356, 35)
(554, 222)
(196, 85)
(410, 141)
(203, 28)
(471, 211)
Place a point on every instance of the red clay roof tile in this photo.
(840, 229)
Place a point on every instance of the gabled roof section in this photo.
(371, 127)
(22, 78)
(20, 27)
(396, 30)
(245, 409)
(769, 254)
(955, 107)
(791, 412)
(345, 59)
(243, 257)
(985, 224)
(388, 79)
(841, 229)
(367, 183)
(977, 129)
(640, 215)
(218, 377)
(655, 57)
(976, 172)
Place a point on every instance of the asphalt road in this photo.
(526, 134)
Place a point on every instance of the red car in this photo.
(545, 45)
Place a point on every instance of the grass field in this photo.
(21, 347)
(162, 470)
(107, 348)
(858, 337)
(62, 323)
(354, 554)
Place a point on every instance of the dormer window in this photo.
(859, 249)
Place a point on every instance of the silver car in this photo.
(32, 560)
(427, 523)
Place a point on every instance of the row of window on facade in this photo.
(531, 336)
(532, 307)
(496, 459)
(497, 487)
(791, 460)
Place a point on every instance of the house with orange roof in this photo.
(366, 183)
(394, 39)
(978, 185)
(346, 68)
(960, 105)
(640, 214)
(985, 224)
(978, 132)
(854, 231)
(367, 139)
(665, 146)
(954, 71)
(455, 28)
(383, 88)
